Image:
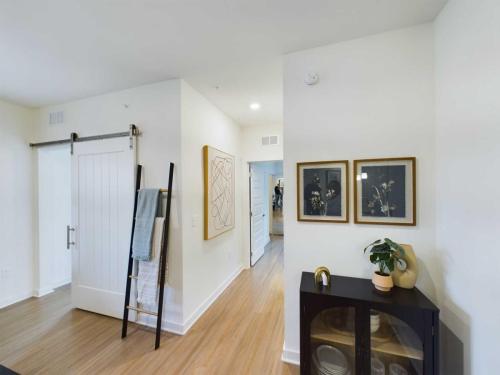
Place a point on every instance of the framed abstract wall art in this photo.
(219, 200)
(323, 191)
(385, 191)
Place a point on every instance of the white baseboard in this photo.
(35, 293)
(291, 356)
(15, 299)
(42, 292)
(166, 325)
(188, 323)
(182, 328)
(61, 283)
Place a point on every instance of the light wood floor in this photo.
(242, 333)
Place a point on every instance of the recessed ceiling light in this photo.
(255, 106)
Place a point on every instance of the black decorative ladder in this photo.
(163, 259)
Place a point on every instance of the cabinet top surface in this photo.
(363, 290)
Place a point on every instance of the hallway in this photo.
(241, 333)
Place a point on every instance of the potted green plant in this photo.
(385, 254)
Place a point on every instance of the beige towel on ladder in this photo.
(147, 274)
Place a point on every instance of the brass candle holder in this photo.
(318, 277)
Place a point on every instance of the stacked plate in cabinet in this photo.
(329, 360)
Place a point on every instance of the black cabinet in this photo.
(349, 329)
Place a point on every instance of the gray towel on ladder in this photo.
(147, 207)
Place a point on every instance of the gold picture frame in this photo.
(323, 191)
(219, 192)
(385, 191)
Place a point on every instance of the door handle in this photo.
(68, 239)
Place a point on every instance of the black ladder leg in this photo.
(164, 252)
(130, 259)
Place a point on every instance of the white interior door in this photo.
(102, 209)
(54, 214)
(258, 227)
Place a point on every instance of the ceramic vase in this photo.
(382, 283)
(406, 278)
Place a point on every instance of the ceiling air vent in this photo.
(269, 140)
(56, 118)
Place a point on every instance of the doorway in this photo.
(266, 188)
(277, 183)
(86, 203)
(54, 214)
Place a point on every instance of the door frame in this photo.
(44, 287)
(246, 209)
(270, 192)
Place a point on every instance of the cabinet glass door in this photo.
(395, 347)
(333, 342)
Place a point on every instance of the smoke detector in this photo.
(311, 79)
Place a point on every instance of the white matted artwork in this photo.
(219, 192)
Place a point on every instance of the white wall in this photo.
(17, 204)
(467, 50)
(155, 109)
(208, 266)
(375, 98)
(251, 143)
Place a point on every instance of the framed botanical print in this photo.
(323, 191)
(384, 191)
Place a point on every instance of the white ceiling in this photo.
(54, 51)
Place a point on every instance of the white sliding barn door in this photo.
(258, 227)
(102, 209)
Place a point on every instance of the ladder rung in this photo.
(137, 278)
(162, 190)
(141, 310)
